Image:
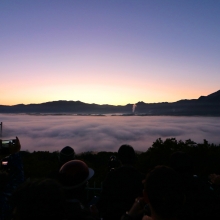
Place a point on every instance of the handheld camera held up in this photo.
(9, 146)
(6, 143)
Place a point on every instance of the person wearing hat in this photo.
(73, 176)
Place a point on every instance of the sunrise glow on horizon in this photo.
(108, 52)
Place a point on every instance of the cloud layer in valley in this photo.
(95, 133)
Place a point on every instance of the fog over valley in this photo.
(107, 133)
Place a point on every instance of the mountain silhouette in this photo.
(204, 106)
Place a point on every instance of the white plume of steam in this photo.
(133, 108)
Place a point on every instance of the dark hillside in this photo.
(203, 106)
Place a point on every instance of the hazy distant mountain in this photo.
(204, 106)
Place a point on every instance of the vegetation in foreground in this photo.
(205, 155)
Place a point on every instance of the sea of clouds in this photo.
(104, 133)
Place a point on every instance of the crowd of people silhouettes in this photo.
(165, 193)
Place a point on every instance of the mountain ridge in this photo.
(205, 106)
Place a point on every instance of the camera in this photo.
(5, 144)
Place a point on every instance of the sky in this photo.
(108, 51)
(90, 133)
